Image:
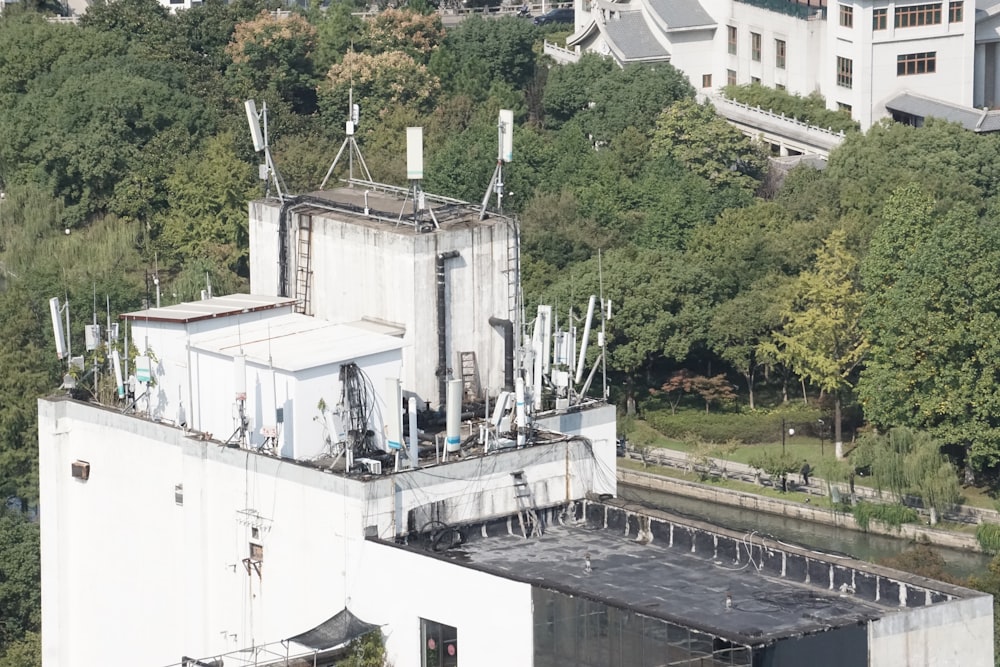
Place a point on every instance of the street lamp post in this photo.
(822, 432)
(790, 431)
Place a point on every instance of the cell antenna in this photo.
(258, 131)
(415, 174)
(57, 328)
(505, 154)
(350, 144)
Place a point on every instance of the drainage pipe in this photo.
(442, 369)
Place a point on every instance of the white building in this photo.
(871, 58)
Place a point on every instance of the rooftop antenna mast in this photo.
(268, 172)
(505, 154)
(415, 173)
(350, 143)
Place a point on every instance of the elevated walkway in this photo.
(789, 136)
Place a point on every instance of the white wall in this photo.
(948, 634)
(381, 271)
(131, 577)
(493, 615)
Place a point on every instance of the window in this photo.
(755, 46)
(914, 15)
(779, 53)
(755, 80)
(440, 644)
(846, 108)
(879, 19)
(706, 80)
(731, 32)
(916, 63)
(779, 86)
(730, 77)
(846, 16)
(845, 72)
(955, 14)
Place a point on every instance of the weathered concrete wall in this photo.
(957, 633)
(794, 510)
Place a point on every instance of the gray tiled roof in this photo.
(631, 38)
(681, 13)
(924, 107)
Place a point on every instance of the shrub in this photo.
(891, 514)
(811, 109)
(988, 535)
(748, 428)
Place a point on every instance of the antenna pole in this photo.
(604, 317)
(350, 143)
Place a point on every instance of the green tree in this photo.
(207, 216)
(822, 339)
(416, 34)
(481, 52)
(20, 585)
(381, 82)
(694, 135)
(632, 97)
(271, 55)
(932, 323)
(906, 462)
(569, 88)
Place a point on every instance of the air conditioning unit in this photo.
(371, 465)
(80, 470)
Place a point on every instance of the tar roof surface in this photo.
(667, 583)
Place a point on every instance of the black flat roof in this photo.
(681, 571)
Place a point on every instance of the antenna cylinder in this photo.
(254, 121)
(415, 153)
(586, 337)
(454, 416)
(394, 414)
(57, 327)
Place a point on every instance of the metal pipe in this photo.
(586, 337)
(442, 369)
(508, 351)
(521, 413)
(454, 417)
(394, 419)
(414, 448)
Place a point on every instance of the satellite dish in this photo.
(254, 120)
(57, 328)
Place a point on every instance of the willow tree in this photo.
(907, 462)
(822, 340)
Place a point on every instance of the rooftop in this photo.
(220, 306)
(390, 207)
(297, 342)
(680, 571)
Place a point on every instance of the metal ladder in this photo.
(513, 272)
(303, 267)
(470, 385)
(526, 516)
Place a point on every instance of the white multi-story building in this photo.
(872, 58)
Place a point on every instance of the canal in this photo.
(829, 539)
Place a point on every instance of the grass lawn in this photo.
(800, 447)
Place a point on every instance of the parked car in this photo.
(561, 15)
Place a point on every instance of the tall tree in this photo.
(694, 135)
(933, 327)
(822, 339)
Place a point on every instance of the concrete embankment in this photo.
(795, 510)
